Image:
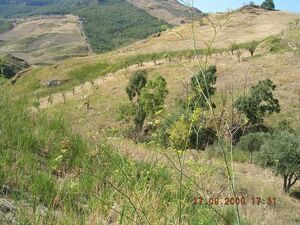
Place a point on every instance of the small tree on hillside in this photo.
(202, 86)
(268, 4)
(153, 95)
(233, 47)
(259, 102)
(147, 97)
(251, 47)
(136, 82)
(154, 59)
(281, 152)
(251, 143)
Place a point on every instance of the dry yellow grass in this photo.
(240, 26)
(283, 69)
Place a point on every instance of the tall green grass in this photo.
(45, 164)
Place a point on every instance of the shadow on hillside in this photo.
(296, 194)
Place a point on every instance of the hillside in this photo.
(68, 130)
(170, 11)
(241, 26)
(45, 40)
(107, 25)
(98, 18)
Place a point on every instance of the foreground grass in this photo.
(54, 176)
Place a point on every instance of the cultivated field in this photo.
(45, 40)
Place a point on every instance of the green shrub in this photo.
(179, 134)
(285, 125)
(251, 143)
(161, 137)
(275, 44)
(147, 98)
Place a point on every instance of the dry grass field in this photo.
(45, 40)
(237, 27)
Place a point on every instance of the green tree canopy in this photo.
(147, 98)
(251, 143)
(259, 102)
(136, 82)
(233, 47)
(268, 4)
(153, 95)
(281, 152)
(251, 47)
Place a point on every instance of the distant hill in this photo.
(171, 11)
(107, 24)
(45, 40)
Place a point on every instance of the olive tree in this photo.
(251, 143)
(259, 102)
(281, 153)
(251, 47)
(233, 47)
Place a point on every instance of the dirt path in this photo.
(89, 48)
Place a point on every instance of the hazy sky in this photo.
(224, 5)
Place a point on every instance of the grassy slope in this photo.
(52, 175)
(101, 118)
